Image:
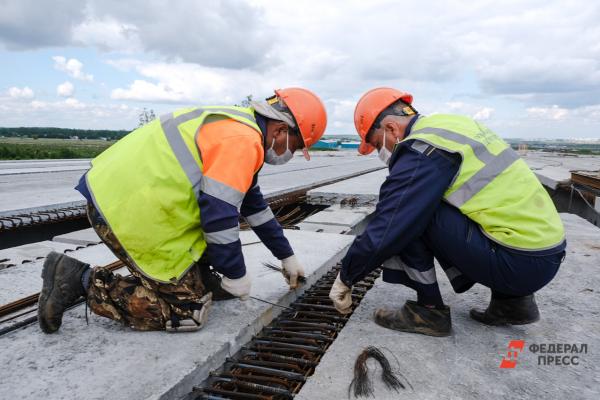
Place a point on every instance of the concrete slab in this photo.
(323, 166)
(466, 364)
(18, 191)
(33, 166)
(553, 169)
(53, 183)
(105, 360)
(83, 237)
(360, 191)
(25, 279)
(40, 186)
(337, 219)
(31, 252)
(337, 215)
(320, 228)
(35, 170)
(553, 177)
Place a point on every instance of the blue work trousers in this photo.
(467, 256)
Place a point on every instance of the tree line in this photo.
(63, 133)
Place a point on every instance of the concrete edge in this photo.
(329, 199)
(77, 242)
(323, 182)
(31, 210)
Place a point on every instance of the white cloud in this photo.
(73, 68)
(68, 113)
(124, 64)
(108, 34)
(552, 113)
(485, 60)
(455, 106)
(142, 90)
(186, 83)
(20, 93)
(34, 24)
(476, 111)
(74, 103)
(483, 114)
(65, 89)
(36, 104)
(588, 114)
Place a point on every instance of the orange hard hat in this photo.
(308, 111)
(368, 108)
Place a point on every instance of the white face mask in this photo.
(273, 158)
(384, 154)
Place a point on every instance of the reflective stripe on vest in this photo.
(484, 176)
(147, 187)
(494, 187)
(170, 126)
(494, 164)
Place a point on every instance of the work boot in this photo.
(61, 287)
(212, 281)
(513, 311)
(415, 318)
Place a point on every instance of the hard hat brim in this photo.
(365, 148)
(263, 108)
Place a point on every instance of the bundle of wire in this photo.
(361, 383)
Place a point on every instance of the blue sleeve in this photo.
(225, 255)
(83, 189)
(260, 217)
(407, 201)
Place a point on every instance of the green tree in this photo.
(146, 116)
(245, 102)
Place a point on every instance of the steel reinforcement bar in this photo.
(276, 363)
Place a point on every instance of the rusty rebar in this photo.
(284, 353)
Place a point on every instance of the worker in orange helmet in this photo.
(167, 198)
(458, 193)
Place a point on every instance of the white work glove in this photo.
(238, 287)
(291, 269)
(341, 295)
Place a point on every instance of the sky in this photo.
(528, 68)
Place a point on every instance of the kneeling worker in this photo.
(166, 199)
(458, 193)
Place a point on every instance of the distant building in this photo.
(523, 149)
(326, 144)
(350, 145)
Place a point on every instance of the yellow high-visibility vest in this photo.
(494, 187)
(147, 185)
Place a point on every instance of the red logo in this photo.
(514, 348)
